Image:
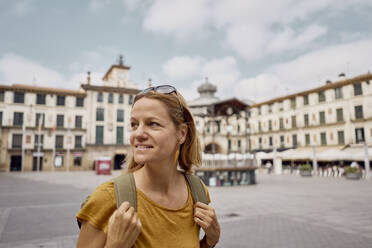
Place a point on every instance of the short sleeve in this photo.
(207, 192)
(98, 209)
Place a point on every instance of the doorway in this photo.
(119, 161)
(16, 163)
(34, 162)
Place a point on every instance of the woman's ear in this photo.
(182, 133)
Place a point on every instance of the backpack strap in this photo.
(197, 188)
(125, 190)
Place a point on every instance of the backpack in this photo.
(125, 190)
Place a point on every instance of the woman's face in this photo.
(154, 137)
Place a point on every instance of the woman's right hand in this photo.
(123, 228)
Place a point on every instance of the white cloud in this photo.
(178, 18)
(182, 67)
(15, 69)
(308, 71)
(248, 26)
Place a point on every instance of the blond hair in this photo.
(178, 111)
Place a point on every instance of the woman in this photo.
(163, 140)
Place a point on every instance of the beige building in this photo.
(336, 115)
(76, 126)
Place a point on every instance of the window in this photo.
(18, 119)
(120, 115)
(294, 140)
(78, 121)
(307, 139)
(281, 124)
(338, 93)
(119, 135)
(323, 139)
(282, 141)
(270, 108)
(130, 100)
(121, 100)
(1, 96)
(60, 121)
(239, 143)
(358, 89)
(340, 114)
(40, 99)
(341, 137)
(358, 112)
(40, 117)
(270, 125)
(260, 142)
(229, 145)
(17, 141)
(259, 127)
(359, 135)
(270, 141)
(218, 129)
(110, 98)
(280, 106)
(99, 135)
(321, 96)
(293, 103)
(36, 143)
(1, 119)
(306, 100)
(19, 97)
(306, 120)
(99, 97)
(79, 102)
(61, 100)
(322, 117)
(78, 143)
(100, 114)
(59, 141)
(259, 110)
(77, 161)
(294, 121)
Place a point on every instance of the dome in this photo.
(207, 87)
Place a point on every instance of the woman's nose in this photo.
(141, 132)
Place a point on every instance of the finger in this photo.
(202, 205)
(204, 217)
(124, 207)
(201, 223)
(128, 215)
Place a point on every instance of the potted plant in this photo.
(353, 173)
(305, 170)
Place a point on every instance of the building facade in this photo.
(338, 114)
(74, 127)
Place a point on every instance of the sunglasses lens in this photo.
(165, 89)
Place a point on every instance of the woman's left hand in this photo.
(206, 218)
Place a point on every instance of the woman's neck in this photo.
(160, 178)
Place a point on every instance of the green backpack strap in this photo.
(125, 190)
(197, 188)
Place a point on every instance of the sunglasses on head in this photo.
(162, 89)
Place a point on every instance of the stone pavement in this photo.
(37, 210)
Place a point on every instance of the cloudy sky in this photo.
(256, 49)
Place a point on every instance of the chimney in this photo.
(150, 82)
(328, 82)
(342, 76)
(88, 78)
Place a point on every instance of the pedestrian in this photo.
(164, 143)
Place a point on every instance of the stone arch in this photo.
(209, 148)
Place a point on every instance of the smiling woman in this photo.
(164, 147)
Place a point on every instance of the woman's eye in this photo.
(133, 125)
(154, 124)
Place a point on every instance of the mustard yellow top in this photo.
(161, 227)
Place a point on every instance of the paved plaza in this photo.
(37, 210)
